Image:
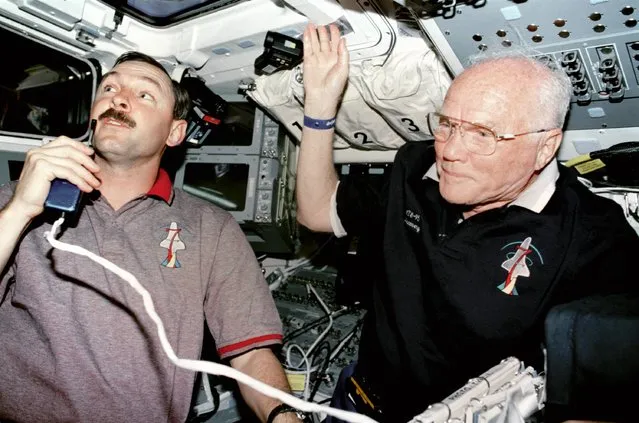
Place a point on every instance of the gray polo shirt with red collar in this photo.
(75, 341)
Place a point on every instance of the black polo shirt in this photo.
(457, 296)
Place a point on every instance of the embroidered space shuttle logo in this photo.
(517, 264)
(172, 243)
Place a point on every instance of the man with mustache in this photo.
(76, 343)
(475, 238)
(118, 116)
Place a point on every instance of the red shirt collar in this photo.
(162, 187)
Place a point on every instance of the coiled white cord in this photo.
(200, 365)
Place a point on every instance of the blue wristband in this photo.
(318, 123)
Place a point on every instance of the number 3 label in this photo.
(411, 125)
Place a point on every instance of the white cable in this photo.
(301, 372)
(275, 285)
(307, 372)
(291, 368)
(613, 189)
(587, 182)
(332, 356)
(305, 356)
(200, 365)
(330, 321)
(341, 345)
(291, 269)
(289, 360)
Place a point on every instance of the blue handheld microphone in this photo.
(64, 195)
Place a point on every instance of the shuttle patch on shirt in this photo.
(520, 256)
(172, 243)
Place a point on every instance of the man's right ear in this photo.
(177, 134)
(548, 147)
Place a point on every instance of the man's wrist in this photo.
(18, 214)
(288, 418)
(320, 124)
(284, 413)
(320, 112)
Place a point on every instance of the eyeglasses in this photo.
(477, 138)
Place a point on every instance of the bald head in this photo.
(528, 89)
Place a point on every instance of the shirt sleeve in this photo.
(336, 223)
(239, 308)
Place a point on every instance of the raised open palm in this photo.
(325, 70)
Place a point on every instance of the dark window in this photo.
(223, 184)
(43, 91)
(236, 128)
(167, 12)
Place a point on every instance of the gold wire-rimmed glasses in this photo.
(477, 138)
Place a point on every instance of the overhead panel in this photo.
(596, 43)
(63, 13)
(368, 32)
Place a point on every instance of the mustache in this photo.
(118, 116)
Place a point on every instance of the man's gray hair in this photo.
(555, 87)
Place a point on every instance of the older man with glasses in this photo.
(476, 237)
